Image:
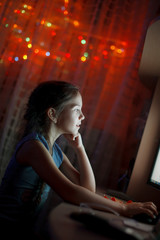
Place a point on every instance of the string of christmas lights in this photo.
(19, 38)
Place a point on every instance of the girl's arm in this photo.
(85, 177)
(34, 154)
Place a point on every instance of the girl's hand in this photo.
(74, 140)
(135, 208)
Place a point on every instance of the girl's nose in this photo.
(82, 116)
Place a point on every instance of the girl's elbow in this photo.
(70, 194)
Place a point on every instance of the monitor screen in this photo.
(154, 178)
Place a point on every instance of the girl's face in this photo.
(70, 118)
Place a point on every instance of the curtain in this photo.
(95, 44)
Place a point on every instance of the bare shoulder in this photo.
(29, 151)
(33, 153)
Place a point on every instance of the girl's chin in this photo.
(75, 132)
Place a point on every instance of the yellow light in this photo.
(29, 7)
(29, 45)
(65, 12)
(112, 47)
(83, 58)
(25, 57)
(66, 1)
(15, 26)
(119, 50)
(36, 50)
(42, 22)
(76, 23)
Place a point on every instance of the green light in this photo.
(86, 54)
(27, 39)
(49, 24)
(83, 41)
(6, 25)
(58, 59)
(25, 6)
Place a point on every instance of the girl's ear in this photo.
(51, 112)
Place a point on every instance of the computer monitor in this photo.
(147, 164)
(154, 178)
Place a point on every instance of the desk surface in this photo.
(62, 227)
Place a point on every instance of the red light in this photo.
(124, 43)
(67, 55)
(96, 58)
(65, 12)
(80, 37)
(10, 59)
(53, 33)
(17, 11)
(19, 39)
(105, 52)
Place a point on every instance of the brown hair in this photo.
(47, 94)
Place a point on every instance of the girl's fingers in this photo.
(138, 207)
(152, 207)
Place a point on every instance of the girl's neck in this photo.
(51, 137)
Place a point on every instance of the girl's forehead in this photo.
(75, 100)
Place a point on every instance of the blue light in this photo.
(47, 54)
(16, 59)
(63, 8)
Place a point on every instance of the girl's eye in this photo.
(77, 110)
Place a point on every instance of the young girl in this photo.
(54, 108)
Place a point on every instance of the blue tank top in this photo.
(22, 192)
